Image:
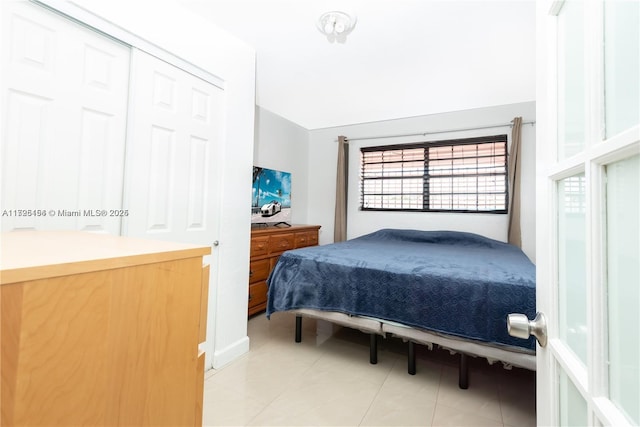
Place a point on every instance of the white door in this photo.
(588, 219)
(172, 175)
(64, 107)
(175, 132)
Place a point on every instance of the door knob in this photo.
(216, 243)
(519, 326)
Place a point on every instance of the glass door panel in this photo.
(573, 408)
(571, 80)
(572, 289)
(622, 65)
(623, 284)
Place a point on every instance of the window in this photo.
(462, 175)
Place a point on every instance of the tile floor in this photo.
(327, 380)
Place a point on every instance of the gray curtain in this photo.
(340, 222)
(515, 237)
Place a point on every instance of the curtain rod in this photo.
(510, 124)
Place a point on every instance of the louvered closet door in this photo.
(64, 95)
(175, 130)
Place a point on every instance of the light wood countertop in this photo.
(32, 255)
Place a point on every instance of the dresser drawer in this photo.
(313, 238)
(259, 270)
(281, 242)
(259, 246)
(257, 294)
(302, 240)
(274, 261)
(306, 238)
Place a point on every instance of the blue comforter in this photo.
(456, 283)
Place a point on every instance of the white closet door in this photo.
(175, 132)
(64, 102)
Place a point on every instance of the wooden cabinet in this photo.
(101, 330)
(266, 246)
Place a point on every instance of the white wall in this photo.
(168, 26)
(283, 145)
(322, 173)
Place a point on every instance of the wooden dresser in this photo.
(267, 244)
(101, 330)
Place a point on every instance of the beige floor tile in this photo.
(353, 361)
(481, 398)
(259, 377)
(224, 407)
(262, 330)
(517, 389)
(329, 399)
(403, 400)
(286, 352)
(452, 416)
(208, 374)
(518, 412)
(425, 383)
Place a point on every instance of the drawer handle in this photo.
(250, 273)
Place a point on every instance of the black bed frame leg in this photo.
(298, 328)
(373, 349)
(463, 375)
(411, 358)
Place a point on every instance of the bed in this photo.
(445, 288)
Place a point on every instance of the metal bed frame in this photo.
(508, 355)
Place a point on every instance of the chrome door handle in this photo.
(519, 326)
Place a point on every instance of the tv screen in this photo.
(271, 199)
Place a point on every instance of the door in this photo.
(175, 134)
(64, 108)
(588, 212)
(174, 151)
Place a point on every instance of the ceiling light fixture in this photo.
(336, 25)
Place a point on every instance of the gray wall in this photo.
(283, 145)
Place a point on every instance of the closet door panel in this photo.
(64, 98)
(174, 137)
(197, 197)
(24, 129)
(161, 162)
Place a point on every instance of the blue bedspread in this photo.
(455, 283)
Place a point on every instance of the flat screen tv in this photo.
(271, 199)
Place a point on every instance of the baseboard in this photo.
(230, 353)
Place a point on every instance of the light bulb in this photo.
(335, 23)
